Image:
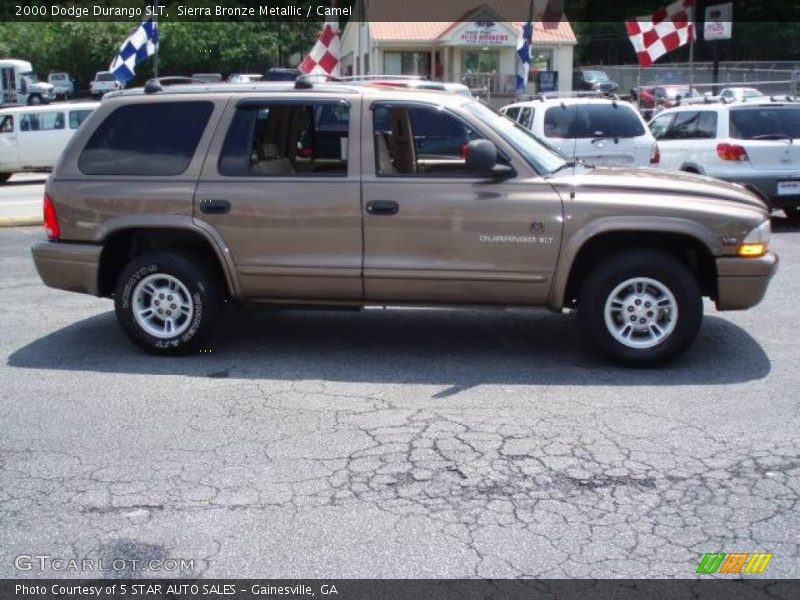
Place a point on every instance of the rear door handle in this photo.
(215, 207)
(383, 207)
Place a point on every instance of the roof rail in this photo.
(157, 83)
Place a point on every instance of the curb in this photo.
(21, 221)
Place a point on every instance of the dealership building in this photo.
(480, 53)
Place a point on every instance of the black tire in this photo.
(203, 288)
(654, 265)
(792, 213)
(5, 177)
(34, 100)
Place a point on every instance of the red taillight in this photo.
(51, 227)
(655, 155)
(731, 152)
(306, 153)
(464, 151)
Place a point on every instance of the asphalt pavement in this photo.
(394, 443)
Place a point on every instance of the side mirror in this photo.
(482, 160)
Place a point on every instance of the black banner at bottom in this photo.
(400, 589)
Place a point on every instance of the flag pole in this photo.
(693, 31)
(158, 45)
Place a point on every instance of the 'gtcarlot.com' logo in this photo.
(43, 562)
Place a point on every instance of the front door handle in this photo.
(383, 207)
(215, 207)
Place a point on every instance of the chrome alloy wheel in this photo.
(162, 306)
(640, 313)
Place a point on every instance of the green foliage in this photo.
(83, 48)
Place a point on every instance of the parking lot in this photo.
(394, 443)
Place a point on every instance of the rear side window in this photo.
(525, 117)
(76, 117)
(608, 121)
(42, 121)
(765, 123)
(693, 125)
(146, 139)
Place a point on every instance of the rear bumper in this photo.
(71, 267)
(742, 282)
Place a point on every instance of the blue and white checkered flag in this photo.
(142, 44)
(524, 44)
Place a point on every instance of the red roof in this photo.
(431, 31)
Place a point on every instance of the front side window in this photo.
(660, 125)
(76, 117)
(308, 139)
(513, 113)
(42, 121)
(425, 141)
(156, 139)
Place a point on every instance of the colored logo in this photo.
(735, 563)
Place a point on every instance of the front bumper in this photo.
(742, 282)
(71, 267)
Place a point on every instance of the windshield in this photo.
(541, 155)
(592, 76)
(31, 76)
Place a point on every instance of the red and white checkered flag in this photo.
(325, 56)
(668, 29)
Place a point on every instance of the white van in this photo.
(32, 137)
(599, 131)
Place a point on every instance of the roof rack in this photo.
(157, 83)
(304, 82)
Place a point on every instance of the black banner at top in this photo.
(374, 10)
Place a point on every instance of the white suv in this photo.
(598, 131)
(757, 145)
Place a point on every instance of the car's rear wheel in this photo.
(166, 303)
(641, 308)
(5, 177)
(35, 99)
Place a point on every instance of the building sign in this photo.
(719, 22)
(485, 33)
(547, 81)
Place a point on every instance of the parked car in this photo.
(172, 200)
(742, 94)
(281, 74)
(675, 95)
(32, 138)
(593, 80)
(103, 83)
(596, 130)
(757, 145)
(63, 85)
(208, 77)
(19, 84)
(245, 78)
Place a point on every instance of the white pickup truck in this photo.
(104, 82)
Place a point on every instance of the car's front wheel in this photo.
(167, 303)
(792, 213)
(5, 177)
(641, 308)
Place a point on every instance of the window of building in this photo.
(407, 63)
(146, 139)
(42, 121)
(287, 139)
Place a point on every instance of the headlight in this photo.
(756, 243)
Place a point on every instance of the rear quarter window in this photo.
(765, 123)
(146, 139)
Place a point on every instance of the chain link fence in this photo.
(778, 78)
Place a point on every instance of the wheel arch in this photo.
(689, 241)
(124, 242)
